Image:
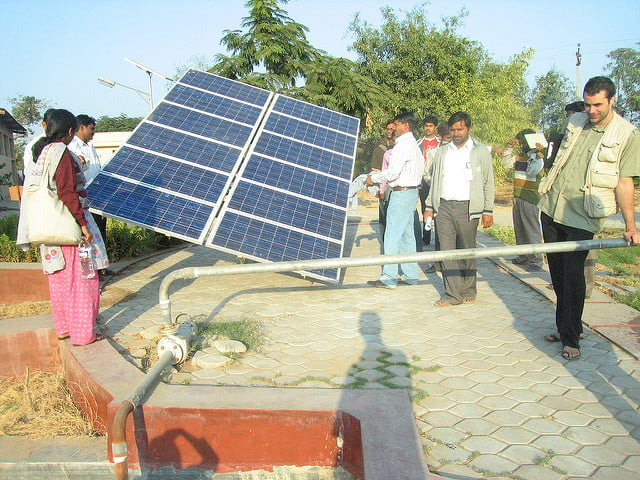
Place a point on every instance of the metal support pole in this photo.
(302, 265)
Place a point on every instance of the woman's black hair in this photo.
(58, 125)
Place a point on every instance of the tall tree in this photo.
(28, 110)
(271, 41)
(552, 91)
(432, 69)
(625, 72)
(273, 53)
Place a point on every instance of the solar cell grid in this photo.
(315, 114)
(296, 180)
(310, 133)
(148, 207)
(214, 104)
(186, 147)
(168, 174)
(283, 208)
(237, 168)
(201, 124)
(224, 86)
(291, 151)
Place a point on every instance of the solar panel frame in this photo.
(195, 166)
(157, 119)
(313, 236)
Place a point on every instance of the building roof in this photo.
(11, 123)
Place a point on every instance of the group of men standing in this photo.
(590, 179)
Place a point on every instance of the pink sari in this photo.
(75, 301)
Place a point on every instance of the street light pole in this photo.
(107, 82)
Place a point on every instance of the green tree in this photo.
(551, 93)
(121, 123)
(28, 110)
(272, 41)
(432, 69)
(625, 72)
(273, 53)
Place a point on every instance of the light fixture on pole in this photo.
(149, 72)
(107, 82)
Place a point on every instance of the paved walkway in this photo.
(492, 399)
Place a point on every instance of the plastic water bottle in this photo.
(428, 224)
(86, 260)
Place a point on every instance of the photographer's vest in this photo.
(604, 166)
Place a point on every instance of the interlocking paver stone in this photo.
(573, 465)
(491, 371)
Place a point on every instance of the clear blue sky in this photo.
(57, 53)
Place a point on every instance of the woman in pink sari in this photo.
(75, 300)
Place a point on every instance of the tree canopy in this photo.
(121, 123)
(548, 98)
(427, 68)
(625, 72)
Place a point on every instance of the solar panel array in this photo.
(236, 168)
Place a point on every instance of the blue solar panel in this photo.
(293, 187)
(238, 168)
(185, 147)
(291, 151)
(274, 243)
(149, 207)
(318, 115)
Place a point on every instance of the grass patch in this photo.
(38, 404)
(249, 332)
(623, 263)
(503, 233)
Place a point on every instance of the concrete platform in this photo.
(490, 398)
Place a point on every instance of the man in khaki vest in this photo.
(591, 178)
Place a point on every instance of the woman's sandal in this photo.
(63, 336)
(97, 338)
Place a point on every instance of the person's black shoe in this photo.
(105, 272)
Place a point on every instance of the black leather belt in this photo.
(399, 189)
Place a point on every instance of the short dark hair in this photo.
(597, 84)
(460, 117)
(443, 130)
(430, 119)
(389, 122)
(85, 120)
(406, 117)
(574, 107)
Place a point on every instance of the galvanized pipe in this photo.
(302, 265)
(119, 449)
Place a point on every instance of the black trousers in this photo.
(567, 276)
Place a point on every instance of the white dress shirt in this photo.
(457, 173)
(406, 164)
(92, 166)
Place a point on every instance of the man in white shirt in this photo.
(462, 192)
(403, 176)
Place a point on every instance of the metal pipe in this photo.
(301, 265)
(119, 450)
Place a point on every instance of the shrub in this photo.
(123, 241)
